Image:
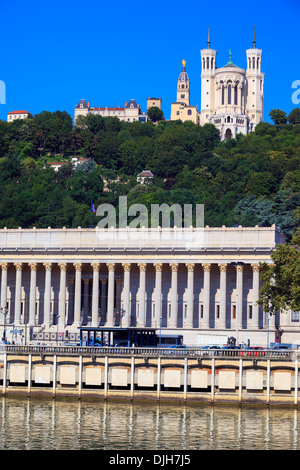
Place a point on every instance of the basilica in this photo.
(231, 96)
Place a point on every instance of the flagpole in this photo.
(91, 215)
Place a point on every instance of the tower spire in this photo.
(208, 38)
(254, 41)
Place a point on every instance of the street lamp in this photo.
(57, 317)
(4, 311)
(122, 313)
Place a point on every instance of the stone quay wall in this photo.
(153, 374)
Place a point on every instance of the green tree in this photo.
(294, 116)
(155, 114)
(278, 116)
(280, 289)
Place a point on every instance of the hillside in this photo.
(248, 181)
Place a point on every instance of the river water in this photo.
(61, 424)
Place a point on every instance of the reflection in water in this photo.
(31, 424)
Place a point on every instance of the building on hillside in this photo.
(13, 115)
(192, 281)
(145, 177)
(182, 109)
(129, 113)
(153, 102)
(231, 97)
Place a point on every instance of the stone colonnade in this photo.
(96, 295)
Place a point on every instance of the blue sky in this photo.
(56, 52)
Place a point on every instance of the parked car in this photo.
(213, 350)
(281, 346)
(253, 351)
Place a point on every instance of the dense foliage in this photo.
(280, 289)
(250, 180)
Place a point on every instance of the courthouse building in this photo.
(56, 280)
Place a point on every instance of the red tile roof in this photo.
(19, 112)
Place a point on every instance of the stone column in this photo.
(126, 295)
(47, 296)
(18, 293)
(110, 295)
(3, 285)
(255, 296)
(157, 299)
(95, 294)
(188, 323)
(206, 295)
(32, 295)
(62, 295)
(239, 295)
(174, 296)
(77, 295)
(222, 319)
(141, 320)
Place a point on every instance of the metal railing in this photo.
(149, 352)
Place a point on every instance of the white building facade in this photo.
(56, 280)
(131, 112)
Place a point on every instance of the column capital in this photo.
(77, 266)
(126, 266)
(240, 267)
(95, 266)
(18, 266)
(223, 266)
(142, 266)
(111, 266)
(4, 266)
(206, 267)
(190, 266)
(33, 266)
(47, 266)
(63, 266)
(255, 267)
(158, 267)
(174, 267)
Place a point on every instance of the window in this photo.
(189, 112)
(229, 94)
(295, 316)
(250, 312)
(234, 311)
(235, 94)
(223, 94)
(217, 311)
(201, 311)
